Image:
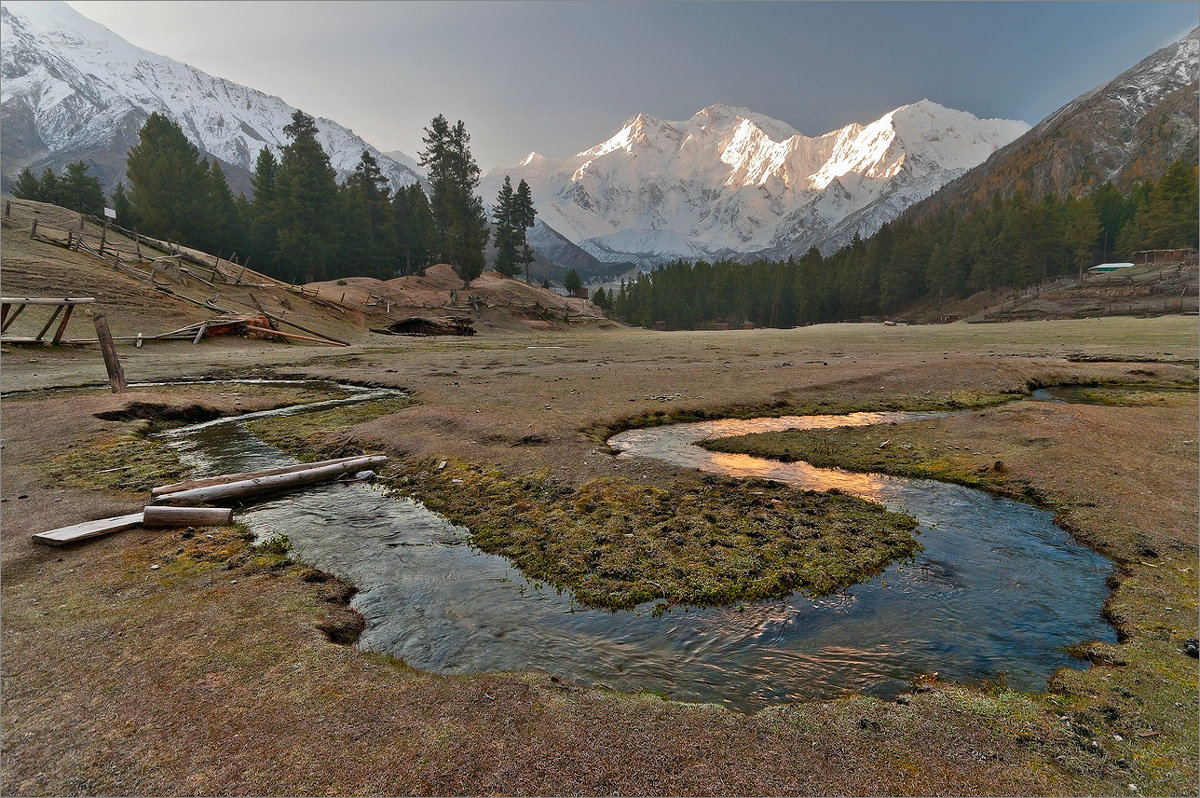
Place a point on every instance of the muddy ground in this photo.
(209, 674)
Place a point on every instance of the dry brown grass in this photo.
(122, 679)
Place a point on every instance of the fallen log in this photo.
(225, 479)
(282, 320)
(269, 331)
(268, 484)
(88, 529)
(155, 516)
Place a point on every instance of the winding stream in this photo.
(998, 592)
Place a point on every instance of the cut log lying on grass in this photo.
(267, 484)
(154, 516)
(269, 331)
(225, 479)
(88, 529)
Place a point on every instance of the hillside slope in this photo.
(1129, 129)
(153, 292)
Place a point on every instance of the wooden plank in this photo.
(263, 485)
(37, 300)
(88, 529)
(53, 316)
(10, 319)
(58, 334)
(204, 482)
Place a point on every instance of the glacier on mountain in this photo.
(731, 182)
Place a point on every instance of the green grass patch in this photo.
(314, 436)
(871, 449)
(133, 463)
(959, 400)
(616, 543)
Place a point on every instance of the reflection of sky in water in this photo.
(997, 590)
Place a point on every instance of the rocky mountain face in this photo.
(1129, 129)
(72, 90)
(729, 182)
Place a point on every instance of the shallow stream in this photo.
(999, 591)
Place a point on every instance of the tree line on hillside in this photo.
(301, 224)
(1010, 242)
(74, 188)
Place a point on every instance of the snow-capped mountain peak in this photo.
(73, 88)
(729, 180)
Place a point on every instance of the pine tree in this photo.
(27, 186)
(80, 191)
(524, 217)
(121, 205)
(413, 223)
(49, 189)
(306, 202)
(369, 242)
(263, 219)
(460, 228)
(1080, 232)
(167, 182)
(603, 299)
(572, 282)
(505, 226)
(224, 228)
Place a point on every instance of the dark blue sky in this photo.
(558, 77)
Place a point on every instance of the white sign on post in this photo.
(109, 213)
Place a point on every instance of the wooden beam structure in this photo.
(11, 308)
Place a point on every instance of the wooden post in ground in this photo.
(8, 207)
(115, 374)
(103, 235)
(33, 230)
(137, 242)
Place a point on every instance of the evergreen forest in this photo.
(301, 224)
(1012, 242)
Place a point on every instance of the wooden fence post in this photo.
(33, 230)
(115, 374)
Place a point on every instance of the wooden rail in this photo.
(8, 304)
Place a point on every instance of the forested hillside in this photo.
(1012, 242)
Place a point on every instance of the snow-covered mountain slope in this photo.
(1129, 129)
(730, 182)
(72, 89)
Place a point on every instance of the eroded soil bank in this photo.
(209, 674)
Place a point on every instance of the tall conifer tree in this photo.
(459, 221)
(524, 218)
(167, 182)
(306, 202)
(506, 233)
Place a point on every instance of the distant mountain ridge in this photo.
(74, 90)
(1128, 129)
(729, 182)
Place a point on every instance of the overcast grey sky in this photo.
(558, 77)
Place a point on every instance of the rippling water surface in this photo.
(998, 591)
